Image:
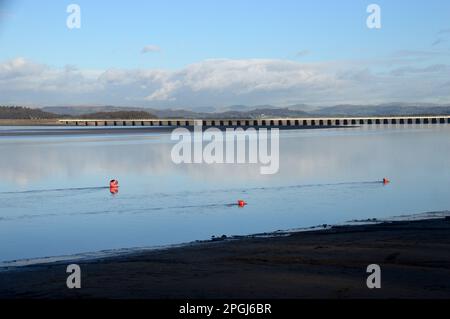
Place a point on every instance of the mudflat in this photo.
(331, 263)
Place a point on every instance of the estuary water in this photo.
(55, 200)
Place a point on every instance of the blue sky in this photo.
(322, 40)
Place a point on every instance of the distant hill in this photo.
(243, 111)
(263, 113)
(251, 114)
(382, 110)
(24, 113)
(125, 115)
(232, 112)
(82, 110)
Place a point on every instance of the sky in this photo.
(199, 53)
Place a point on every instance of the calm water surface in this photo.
(51, 203)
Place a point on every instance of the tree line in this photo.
(26, 113)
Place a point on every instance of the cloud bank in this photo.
(219, 82)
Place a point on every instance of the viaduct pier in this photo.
(265, 122)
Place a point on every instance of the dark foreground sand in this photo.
(414, 256)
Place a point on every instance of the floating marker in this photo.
(114, 183)
(386, 181)
(114, 186)
(241, 203)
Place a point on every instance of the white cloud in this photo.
(150, 48)
(219, 82)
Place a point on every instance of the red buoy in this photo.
(113, 183)
(241, 203)
(114, 186)
(386, 181)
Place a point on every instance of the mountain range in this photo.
(244, 111)
(231, 112)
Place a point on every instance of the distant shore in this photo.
(328, 263)
(26, 122)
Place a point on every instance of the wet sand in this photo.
(413, 255)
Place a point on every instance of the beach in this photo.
(328, 263)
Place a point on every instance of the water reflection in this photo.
(304, 155)
(325, 176)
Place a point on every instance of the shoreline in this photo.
(287, 264)
(28, 122)
(94, 256)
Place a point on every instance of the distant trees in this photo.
(123, 115)
(25, 113)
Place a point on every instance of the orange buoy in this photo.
(113, 184)
(241, 203)
(386, 181)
